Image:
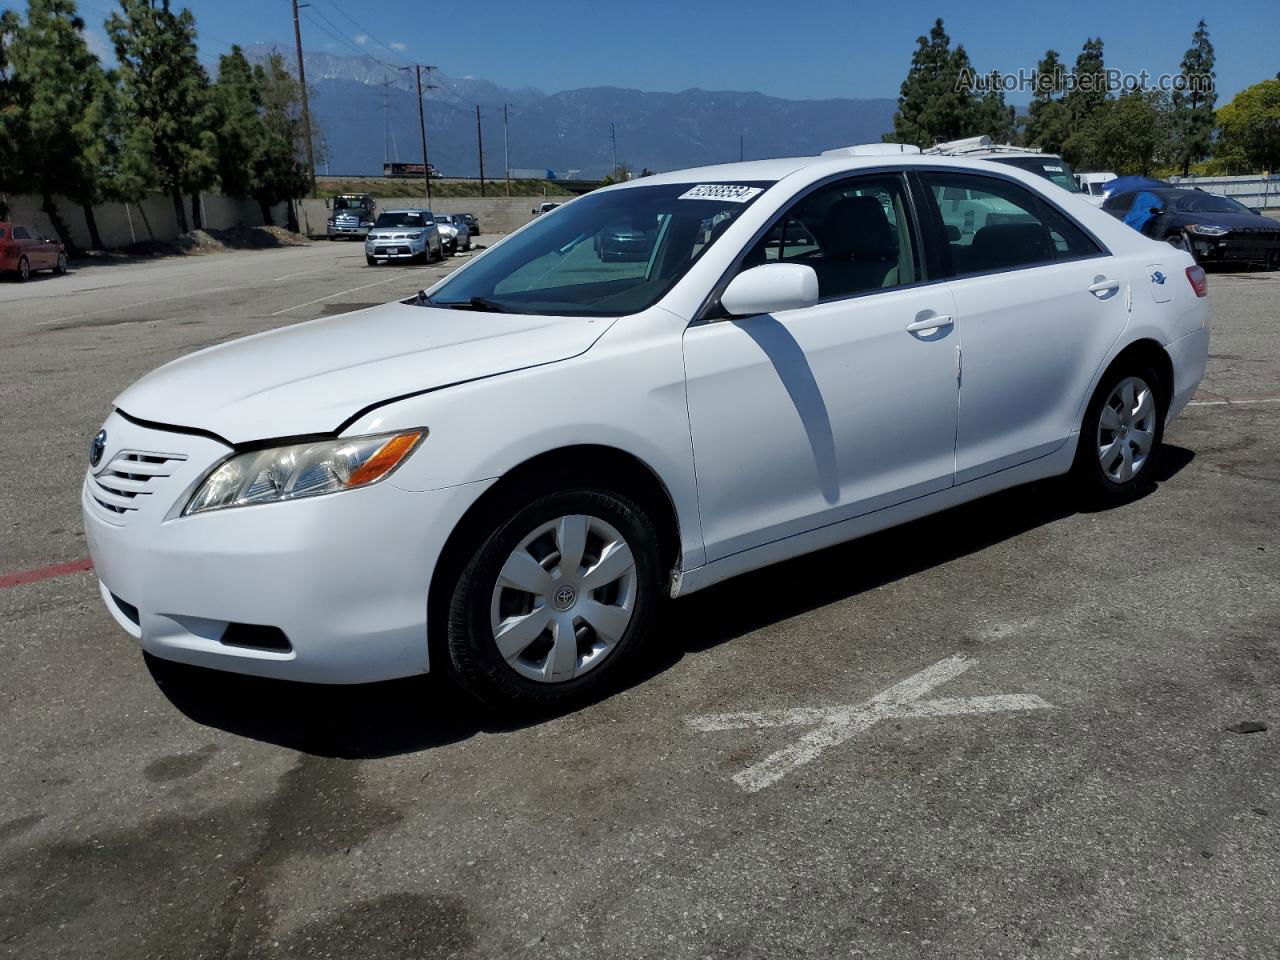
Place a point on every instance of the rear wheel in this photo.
(1121, 435)
(24, 269)
(555, 600)
(61, 266)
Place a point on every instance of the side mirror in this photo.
(770, 288)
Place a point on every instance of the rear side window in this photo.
(994, 225)
(2, 233)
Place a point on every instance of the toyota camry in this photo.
(502, 478)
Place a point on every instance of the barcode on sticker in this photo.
(733, 192)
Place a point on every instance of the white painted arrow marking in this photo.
(837, 725)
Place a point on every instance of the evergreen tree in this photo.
(1193, 107)
(991, 115)
(12, 115)
(167, 92)
(280, 174)
(1048, 120)
(1087, 94)
(933, 104)
(60, 82)
(238, 125)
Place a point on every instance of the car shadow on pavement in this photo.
(418, 713)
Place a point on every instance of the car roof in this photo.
(834, 162)
(406, 210)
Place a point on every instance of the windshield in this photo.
(349, 203)
(606, 254)
(403, 219)
(1210, 203)
(1050, 167)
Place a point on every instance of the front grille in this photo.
(129, 478)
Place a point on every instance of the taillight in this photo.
(1199, 283)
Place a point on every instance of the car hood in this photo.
(312, 377)
(1231, 221)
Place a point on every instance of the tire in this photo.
(370, 260)
(610, 617)
(24, 269)
(61, 267)
(1107, 474)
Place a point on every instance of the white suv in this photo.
(504, 477)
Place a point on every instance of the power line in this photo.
(361, 28)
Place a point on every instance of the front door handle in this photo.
(1102, 288)
(925, 324)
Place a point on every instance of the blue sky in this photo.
(818, 48)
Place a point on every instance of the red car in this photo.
(23, 251)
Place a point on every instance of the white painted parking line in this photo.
(837, 725)
(1230, 403)
(340, 293)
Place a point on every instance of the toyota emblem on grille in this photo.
(97, 447)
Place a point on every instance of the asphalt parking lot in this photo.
(1011, 730)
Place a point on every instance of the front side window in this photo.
(856, 234)
(608, 253)
(993, 224)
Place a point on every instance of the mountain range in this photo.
(367, 112)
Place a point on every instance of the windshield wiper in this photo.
(482, 304)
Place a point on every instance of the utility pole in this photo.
(739, 148)
(390, 150)
(422, 126)
(613, 138)
(506, 152)
(480, 148)
(306, 109)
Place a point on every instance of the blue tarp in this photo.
(1125, 184)
(1140, 212)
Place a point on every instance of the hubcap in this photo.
(1126, 429)
(564, 599)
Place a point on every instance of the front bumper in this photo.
(395, 249)
(1234, 248)
(1189, 355)
(344, 576)
(345, 231)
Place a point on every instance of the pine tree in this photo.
(1193, 107)
(991, 115)
(12, 114)
(280, 174)
(934, 104)
(60, 82)
(1048, 120)
(1088, 94)
(238, 127)
(167, 92)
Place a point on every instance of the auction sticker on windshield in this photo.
(733, 192)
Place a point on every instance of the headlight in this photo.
(414, 236)
(302, 470)
(1207, 230)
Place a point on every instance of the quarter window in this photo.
(995, 225)
(856, 234)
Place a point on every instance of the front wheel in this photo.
(1121, 435)
(61, 266)
(555, 600)
(370, 260)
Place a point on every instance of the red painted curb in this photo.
(44, 573)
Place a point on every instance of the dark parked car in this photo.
(23, 251)
(1213, 228)
(472, 222)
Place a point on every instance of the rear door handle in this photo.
(1104, 288)
(929, 323)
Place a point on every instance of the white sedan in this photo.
(503, 478)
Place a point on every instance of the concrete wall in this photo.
(121, 224)
(1252, 190)
(496, 214)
